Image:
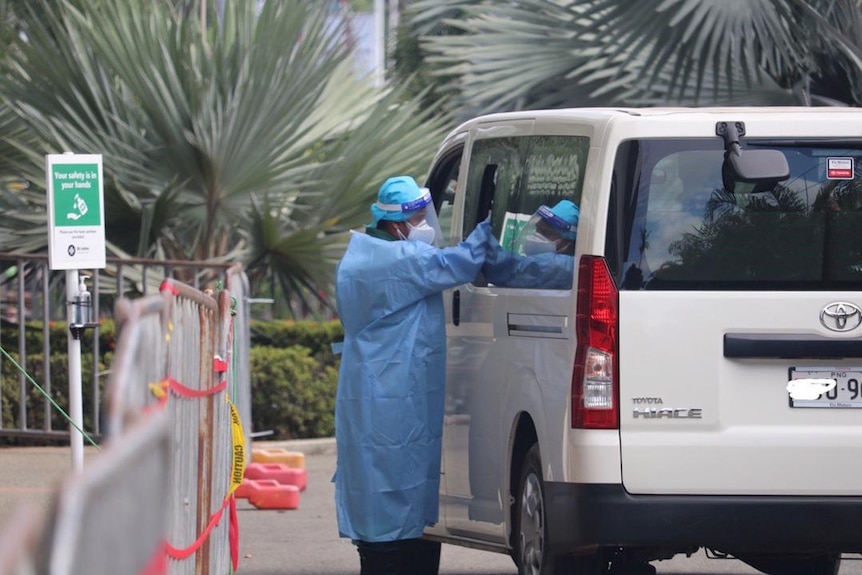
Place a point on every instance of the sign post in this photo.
(76, 240)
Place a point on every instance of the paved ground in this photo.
(303, 541)
(297, 542)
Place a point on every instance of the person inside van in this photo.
(542, 256)
(551, 230)
(390, 397)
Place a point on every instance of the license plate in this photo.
(806, 382)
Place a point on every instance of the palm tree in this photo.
(249, 138)
(552, 53)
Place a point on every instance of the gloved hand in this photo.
(499, 263)
(481, 240)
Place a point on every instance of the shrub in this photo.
(58, 333)
(294, 376)
(292, 393)
(35, 400)
(318, 337)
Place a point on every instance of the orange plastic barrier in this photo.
(270, 494)
(293, 459)
(245, 489)
(279, 471)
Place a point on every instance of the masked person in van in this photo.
(390, 398)
(542, 256)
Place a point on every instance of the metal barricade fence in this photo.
(185, 353)
(180, 346)
(139, 357)
(119, 501)
(196, 385)
(31, 293)
(237, 286)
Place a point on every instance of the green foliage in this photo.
(292, 393)
(36, 403)
(361, 5)
(423, 79)
(58, 333)
(317, 337)
(247, 138)
(294, 376)
(552, 54)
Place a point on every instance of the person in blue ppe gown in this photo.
(390, 398)
(542, 255)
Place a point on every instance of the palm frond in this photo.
(560, 53)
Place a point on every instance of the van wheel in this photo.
(823, 564)
(531, 529)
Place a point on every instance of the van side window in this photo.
(443, 182)
(509, 179)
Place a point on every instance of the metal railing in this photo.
(32, 297)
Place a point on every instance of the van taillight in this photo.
(595, 382)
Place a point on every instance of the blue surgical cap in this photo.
(563, 216)
(398, 199)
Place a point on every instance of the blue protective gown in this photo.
(546, 271)
(389, 404)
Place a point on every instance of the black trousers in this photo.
(401, 557)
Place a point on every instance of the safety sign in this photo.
(76, 214)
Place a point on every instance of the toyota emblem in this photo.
(841, 316)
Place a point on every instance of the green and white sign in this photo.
(513, 223)
(76, 213)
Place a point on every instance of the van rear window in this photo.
(685, 226)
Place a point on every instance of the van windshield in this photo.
(685, 227)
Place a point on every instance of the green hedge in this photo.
(293, 394)
(59, 392)
(57, 332)
(317, 337)
(294, 375)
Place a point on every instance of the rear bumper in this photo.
(583, 515)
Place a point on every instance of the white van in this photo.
(699, 385)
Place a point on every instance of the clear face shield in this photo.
(423, 224)
(545, 233)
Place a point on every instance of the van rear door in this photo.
(740, 325)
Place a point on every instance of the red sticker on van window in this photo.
(839, 168)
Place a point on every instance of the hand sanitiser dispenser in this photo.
(83, 309)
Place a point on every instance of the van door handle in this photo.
(456, 307)
(537, 325)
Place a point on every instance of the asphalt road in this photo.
(305, 540)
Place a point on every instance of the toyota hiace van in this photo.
(698, 384)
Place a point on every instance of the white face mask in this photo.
(420, 233)
(538, 244)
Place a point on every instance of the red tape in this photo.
(180, 554)
(190, 393)
(158, 564)
(167, 285)
(219, 365)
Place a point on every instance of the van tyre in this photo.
(531, 529)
